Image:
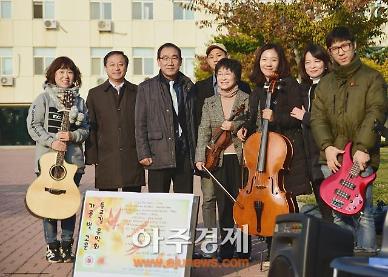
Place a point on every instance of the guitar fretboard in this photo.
(354, 171)
(65, 127)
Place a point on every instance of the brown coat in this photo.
(111, 144)
(212, 118)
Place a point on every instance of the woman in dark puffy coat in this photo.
(314, 64)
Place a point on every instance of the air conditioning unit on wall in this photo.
(6, 81)
(105, 26)
(50, 24)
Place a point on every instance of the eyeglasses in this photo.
(344, 47)
(226, 74)
(166, 59)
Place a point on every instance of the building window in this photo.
(5, 9)
(42, 59)
(44, 9)
(97, 56)
(143, 9)
(188, 58)
(5, 61)
(101, 10)
(143, 61)
(13, 128)
(180, 13)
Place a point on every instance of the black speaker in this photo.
(304, 246)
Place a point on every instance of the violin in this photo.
(220, 141)
(263, 198)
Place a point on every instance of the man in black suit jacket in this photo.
(202, 90)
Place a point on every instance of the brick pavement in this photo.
(22, 246)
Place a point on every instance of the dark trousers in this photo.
(127, 189)
(326, 212)
(50, 226)
(229, 175)
(182, 176)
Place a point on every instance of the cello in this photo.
(263, 198)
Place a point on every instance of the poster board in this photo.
(136, 234)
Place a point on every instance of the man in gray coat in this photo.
(111, 146)
(165, 125)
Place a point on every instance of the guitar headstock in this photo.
(68, 99)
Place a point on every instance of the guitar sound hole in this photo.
(58, 172)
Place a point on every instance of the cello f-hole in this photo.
(258, 209)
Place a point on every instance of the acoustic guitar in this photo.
(54, 194)
(344, 191)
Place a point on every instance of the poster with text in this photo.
(135, 234)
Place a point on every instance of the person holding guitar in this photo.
(44, 124)
(270, 59)
(215, 114)
(348, 101)
(315, 64)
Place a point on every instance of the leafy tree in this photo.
(245, 25)
(378, 54)
(382, 68)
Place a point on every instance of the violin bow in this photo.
(222, 187)
(242, 166)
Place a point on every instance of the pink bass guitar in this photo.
(344, 191)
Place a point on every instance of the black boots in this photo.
(66, 251)
(53, 254)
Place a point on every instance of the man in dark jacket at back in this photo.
(202, 90)
(208, 87)
(165, 125)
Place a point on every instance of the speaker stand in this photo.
(262, 259)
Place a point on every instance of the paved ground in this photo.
(22, 246)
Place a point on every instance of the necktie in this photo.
(175, 103)
(215, 87)
(174, 97)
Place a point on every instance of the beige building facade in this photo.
(33, 33)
